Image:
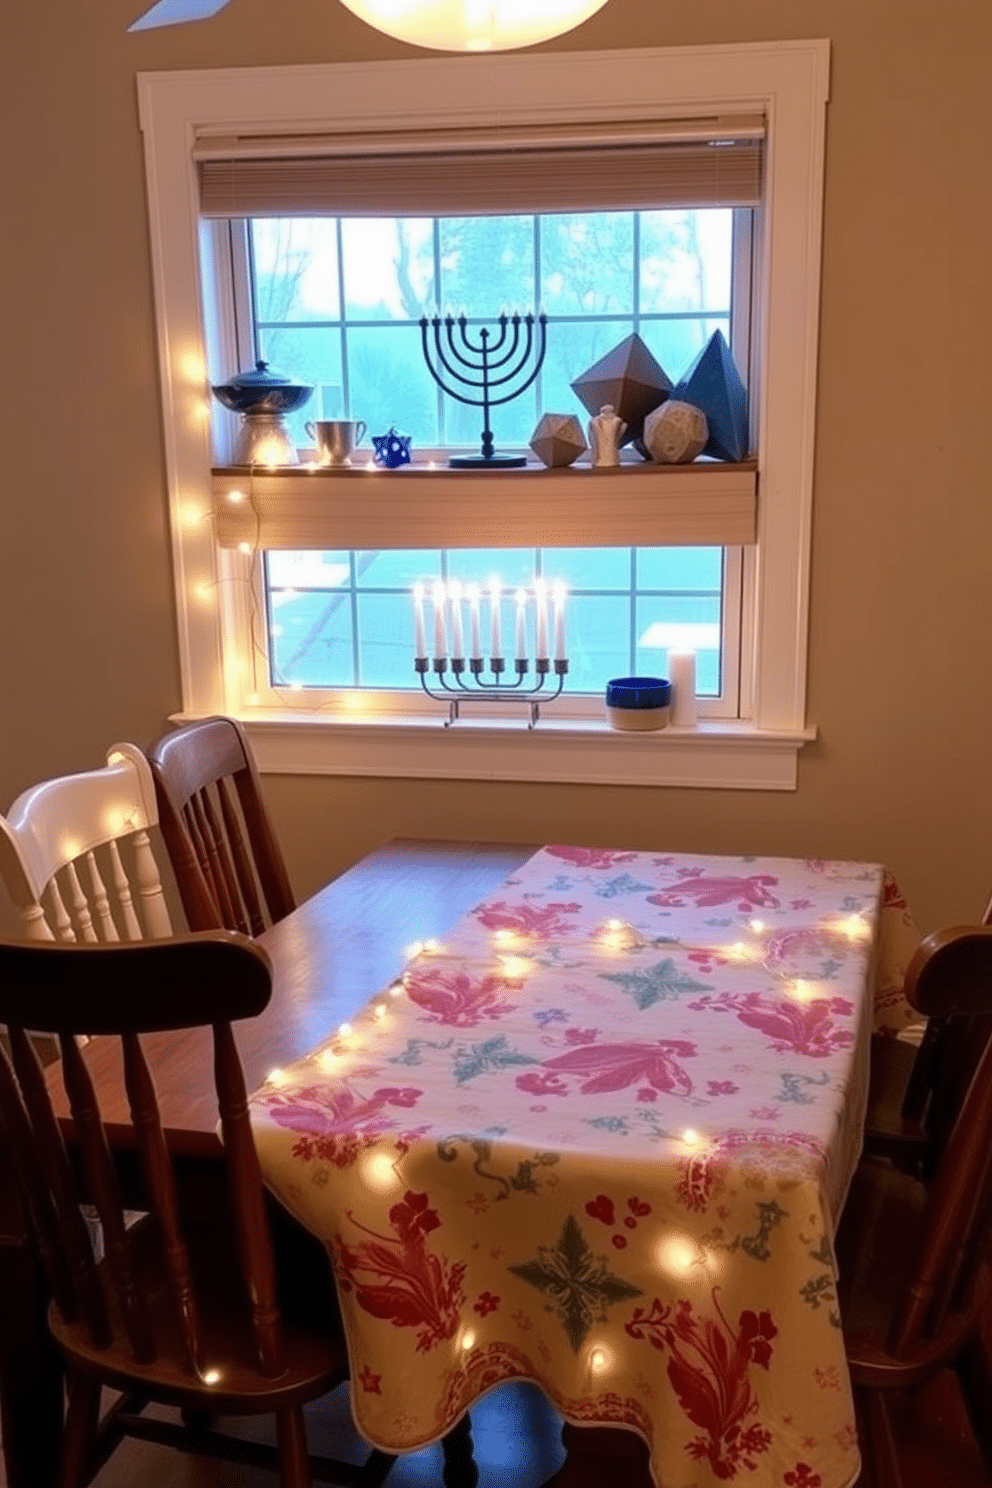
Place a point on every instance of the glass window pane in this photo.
(310, 638)
(587, 263)
(307, 570)
(389, 383)
(397, 568)
(597, 636)
(487, 265)
(295, 261)
(312, 355)
(676, 343)
(385, 626)
(588, 568)
(512, 566)
(679, 568)
(685, 260)
(680, 623)
(573, 347)
(388, 267)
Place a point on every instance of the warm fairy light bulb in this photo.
(244, 547)
(601, 1360)
(468, 1339)
(757, 926)
(211, 1377)
(345, 1030)
(690, 1137)
(378, 1171)
(515, 966)
(277, 1077)
(380, 1009)
(236, 497)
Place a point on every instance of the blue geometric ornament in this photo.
(392, 449)
(713, 385)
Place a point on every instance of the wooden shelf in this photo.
(642, 504)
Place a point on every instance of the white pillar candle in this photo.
(440, 631)
(558, 595)
(455, 598)
(495, 640)
(682, 675)
(521, 625)
(473, 601)
(419, 632)
(541, 628)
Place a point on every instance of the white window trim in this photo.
(789, 81)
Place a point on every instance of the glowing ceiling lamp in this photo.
(473, 25)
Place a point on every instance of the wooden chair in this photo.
(913, 1262)
(179, 1313)
(224, 853)
(915, 1093)
(67, 844)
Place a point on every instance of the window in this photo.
(337, 301)
(612, 96)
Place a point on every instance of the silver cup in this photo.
(336, 438)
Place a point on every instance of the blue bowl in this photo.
(638, 692)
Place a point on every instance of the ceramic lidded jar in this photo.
(262, 397)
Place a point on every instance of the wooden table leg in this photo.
(602, 1454)
(31, 1402)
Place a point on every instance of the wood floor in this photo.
(518, 1445)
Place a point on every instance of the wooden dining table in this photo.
(353, 939)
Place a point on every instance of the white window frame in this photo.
(789, 82)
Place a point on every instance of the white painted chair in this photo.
(76, 857)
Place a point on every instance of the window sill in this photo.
(713, 755)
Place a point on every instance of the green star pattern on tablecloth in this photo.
(577, 1284)
(661, 983)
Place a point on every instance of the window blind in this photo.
(645, 165)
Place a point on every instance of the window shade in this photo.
(706, 162)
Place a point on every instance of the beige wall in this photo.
(900, 625)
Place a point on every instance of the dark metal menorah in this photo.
(486, 365)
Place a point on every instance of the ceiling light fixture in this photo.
(473, 25)
(442, 25)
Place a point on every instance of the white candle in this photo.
(473, 600)
(440, 632)
(495, 641)
(558, 594)
(682, 675)
(540, 603)
(457, 639)
(521, 625)
(419, 633)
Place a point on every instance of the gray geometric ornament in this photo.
(558, 439)
(630, 379)
(713, 385)
(675, 433)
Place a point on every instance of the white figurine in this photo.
(605, 433)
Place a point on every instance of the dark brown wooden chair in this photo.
(913, 1259)
(229, 868)
(178, 1312)
(915, 1093)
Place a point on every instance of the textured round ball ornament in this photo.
(675, 433)
(558, 439)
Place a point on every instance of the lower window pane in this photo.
(338, 619)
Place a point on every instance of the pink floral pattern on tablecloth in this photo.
(599, 1138)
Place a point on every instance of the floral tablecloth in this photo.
(600, 1138)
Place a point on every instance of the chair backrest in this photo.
(224, 853)
(953, 974)
(128, 990)
(949, 980)
(76, 857)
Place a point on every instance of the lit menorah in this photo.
(468, 680)
(485, 365)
